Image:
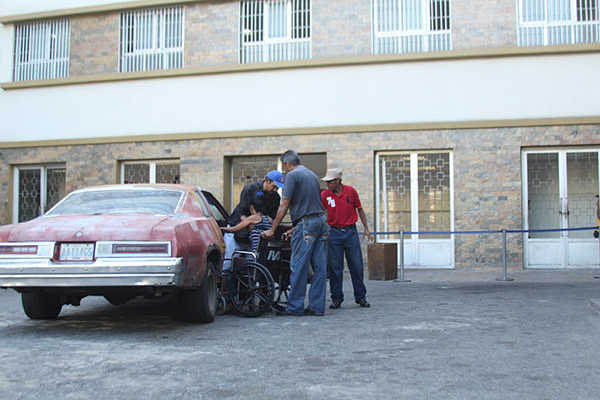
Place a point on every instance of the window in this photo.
(554, 22)
(159, 171)
(407, 26)
(42, 50)
(38, 188)
(152, 39)
(275, 30)
(414, 193)
(246, 170)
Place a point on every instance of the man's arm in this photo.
(363, 219)
(281, 211)
(246, 221)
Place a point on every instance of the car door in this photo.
(219, 212)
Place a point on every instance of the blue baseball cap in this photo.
(276, 177)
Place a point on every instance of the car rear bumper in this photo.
(158, 271)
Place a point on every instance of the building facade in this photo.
(446, 115)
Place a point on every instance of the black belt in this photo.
(309, 216)
(345, 228)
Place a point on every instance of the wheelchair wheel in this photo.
(251, 289)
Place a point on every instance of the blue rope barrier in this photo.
(484, 232)
(502, 231)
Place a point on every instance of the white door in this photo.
(560, 204)
(414, 194)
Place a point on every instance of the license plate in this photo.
(76, 252)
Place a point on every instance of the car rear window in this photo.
(151, 201)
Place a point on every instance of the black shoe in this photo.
(335, 304)
(308, 311)
(363, 303)
(284, 313)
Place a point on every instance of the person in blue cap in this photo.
(240, 240)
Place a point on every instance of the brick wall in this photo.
(211, 36)
(94, 45)
(483, 24)
(341, 28)
(487, 171)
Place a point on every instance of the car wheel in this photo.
(39, 305)
(200, 304)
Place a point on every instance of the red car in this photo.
(120, 242)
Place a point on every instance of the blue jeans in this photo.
(309, 242)
(341, 242)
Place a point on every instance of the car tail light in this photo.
(26, 249)
(140, 248)
(133, 249)
(18, 250)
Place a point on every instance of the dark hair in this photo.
(290, 156)
(258, 202)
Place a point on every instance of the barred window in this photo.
(150, 171)
(37, 189)
(275, 30)
(554, 22)
(152, 39)
(406, 26)
(415, 193)
(248, 169)
(42, 50)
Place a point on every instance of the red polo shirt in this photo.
(341, 210)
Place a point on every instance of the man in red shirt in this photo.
(342, 204)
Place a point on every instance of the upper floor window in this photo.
(152, 39)
(275, 30)
(553, 22)
(407, 26)
(42, 50)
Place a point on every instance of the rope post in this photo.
(598, 227)
(504, 278)
(401, 244)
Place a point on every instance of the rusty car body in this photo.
(120, 242)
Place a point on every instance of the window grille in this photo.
(414, 193)
(42, 50)
(38, 188)
(249, 169)
(246, 170)
(555, 22)
(275, 30)
(152, 39)
(408, 26)
(160, 171)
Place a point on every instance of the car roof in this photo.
(138, 186)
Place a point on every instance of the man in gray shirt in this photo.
(302, 196)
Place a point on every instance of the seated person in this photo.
(256, 223)
(241, 240)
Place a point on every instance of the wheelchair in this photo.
(257, 282)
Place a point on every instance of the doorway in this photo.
(559, 204)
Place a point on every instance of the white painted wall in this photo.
(487, 89)
(17, 7)
(6, 53)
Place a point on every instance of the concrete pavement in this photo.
(444, 335)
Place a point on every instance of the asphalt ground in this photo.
(444, 335)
